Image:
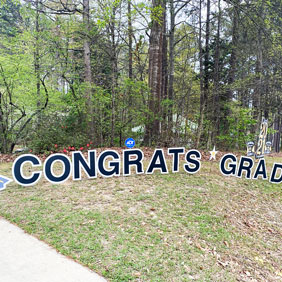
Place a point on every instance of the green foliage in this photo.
(157, 13)
(240, 123)
(10, 17)
(117, 104)
(131, 109)
(56, 132)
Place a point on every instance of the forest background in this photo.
(78, 74)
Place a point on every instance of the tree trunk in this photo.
(130, 35)
(233, 64)
(152, 128)
(3, 146)
(216, 106)
(164, 84)
(258, 87)
(88, 73)
(233, 57)
(37, 61)
(171, 67)
(114, 72)
(204, 71)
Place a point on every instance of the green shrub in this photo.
(240, 122)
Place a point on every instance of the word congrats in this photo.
(132, 158)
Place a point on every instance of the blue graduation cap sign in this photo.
(4, 181)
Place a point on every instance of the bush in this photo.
(56, 132)
(240, 123)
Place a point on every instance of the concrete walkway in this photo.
(23, 258)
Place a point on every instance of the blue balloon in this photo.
(129, 142)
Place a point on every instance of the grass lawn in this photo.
(174, 227)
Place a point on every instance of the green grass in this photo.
(175, 227)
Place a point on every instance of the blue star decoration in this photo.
(4, 181)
